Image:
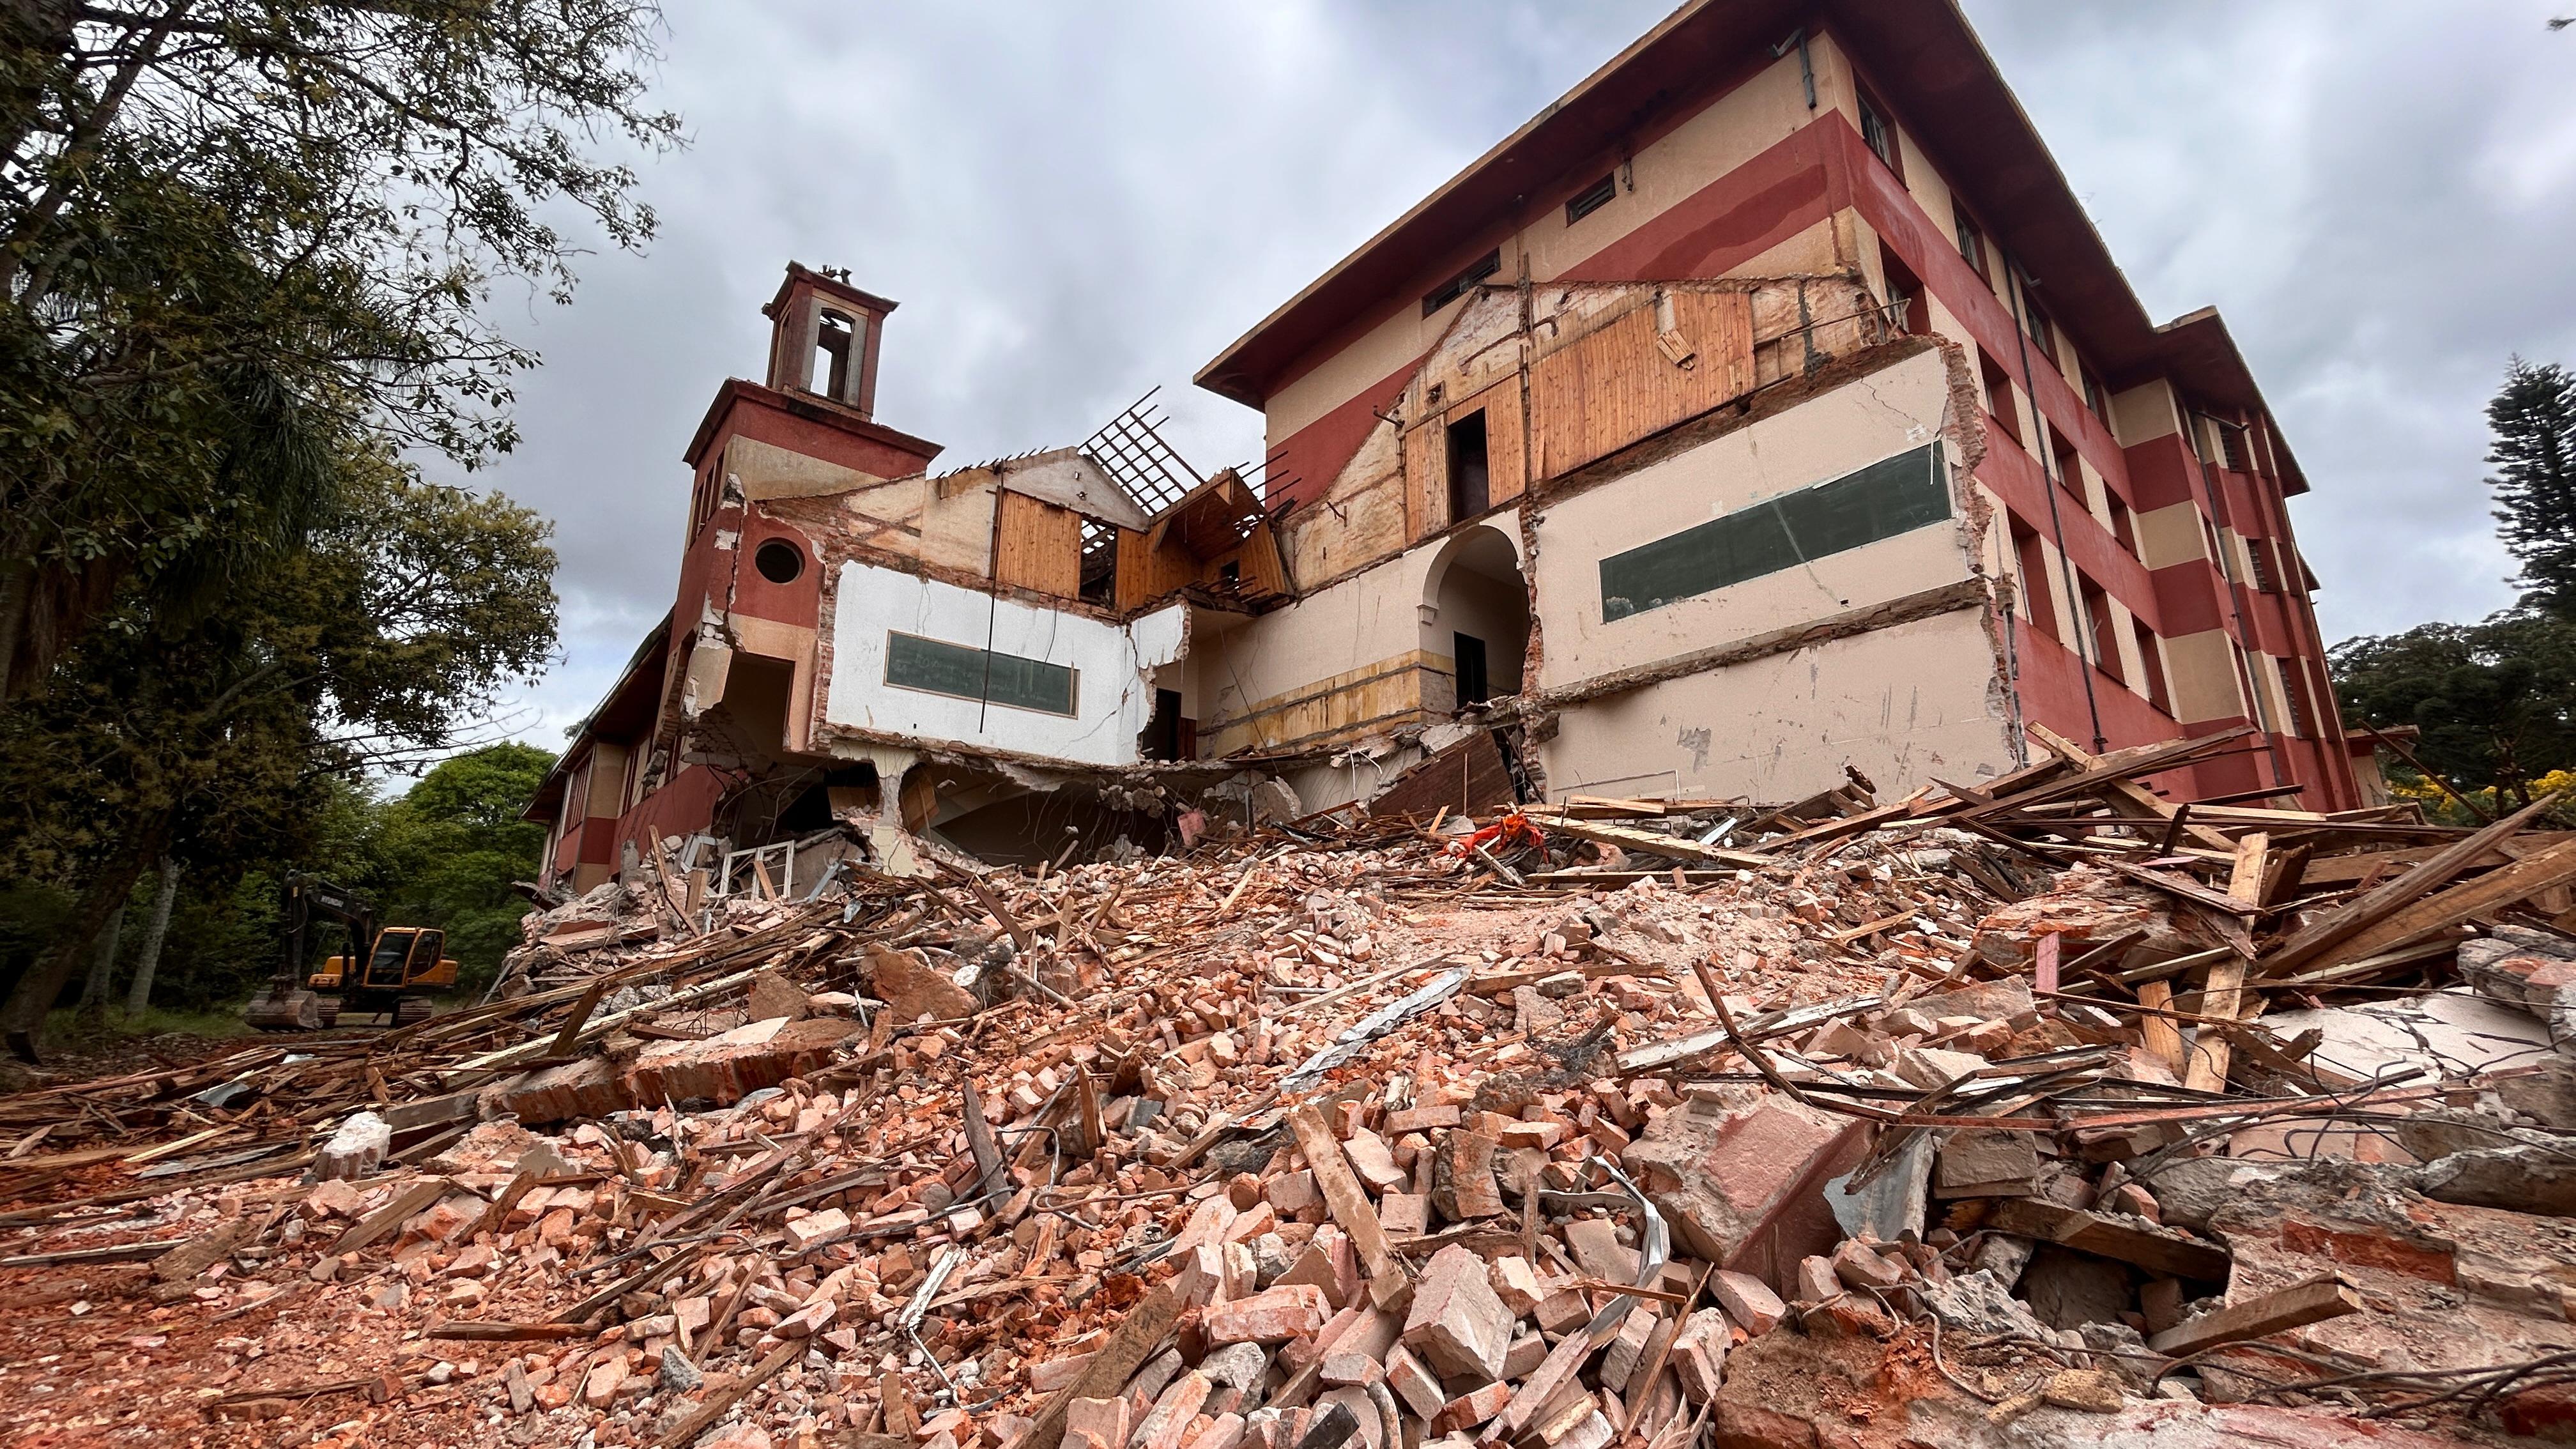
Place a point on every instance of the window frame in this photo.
(1457, 285)
(1592, 198)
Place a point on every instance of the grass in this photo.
(67, 1026)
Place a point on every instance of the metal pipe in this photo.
(2014, 280)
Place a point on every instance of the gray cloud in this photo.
(1076, 202)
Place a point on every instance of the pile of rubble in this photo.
(2037, 1112)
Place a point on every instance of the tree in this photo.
(2496, 700)
(2533, 420)
(235, 233)
(224, 736)
(450, 847)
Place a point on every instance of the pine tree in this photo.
(2534, 423)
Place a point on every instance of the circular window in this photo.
(779, 561)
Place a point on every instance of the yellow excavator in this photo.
(401, 964)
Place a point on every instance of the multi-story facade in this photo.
(2131, 479)
(1765, 410)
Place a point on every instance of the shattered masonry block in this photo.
(727, 1068)
(815, 1229)
(1167, 1423)
(1374, 1161)
(1457, 1324)
(1516, 1283)
(1749, 1302)
(1404, 1214)
(1699, 1354)
(1273, 1316)
(1474, 1407)
(1739, 1172)
(1096, 1424)
(1291, 1193)
(1413, 1382)
(590, 1087)
(1462, 1177)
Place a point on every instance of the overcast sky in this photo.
(1075, 202)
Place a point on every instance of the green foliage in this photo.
(2534, 423)
(2496, 700)
(238, 235)
(230, 738)
(448, 849)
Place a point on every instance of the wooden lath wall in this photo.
(1621, 383)
(1038, 546)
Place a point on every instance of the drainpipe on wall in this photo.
(2227, 580)
(2077, 620)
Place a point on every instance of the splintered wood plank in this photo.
(2162, 1036)
(2168, 1253)
(2491, 892)
(1342, 1191)
(1137, 1336)
(2296, 1306)
(2340, 926)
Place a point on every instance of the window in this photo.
(1877, 133)
(1887, 498)
(2105, 632)
(2093, 399)
(2254, 689)
(1907, 307)
(2258, 553)
(2070, 467)
(1470, 486)
(2030, 561)
(779, 561)
(1456, 287)
(1999, 396)
(2124, 525)
(1591, 198)
(2153, 662)
(1972, 245)
(937, 667)
(1474, 685)
(1099, 562)
(834, 336)
(2042, 335)
(2294, 693)
(2232, 452)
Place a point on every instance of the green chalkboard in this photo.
(913, 662)
(1892, 496)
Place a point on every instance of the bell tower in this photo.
(823, 338)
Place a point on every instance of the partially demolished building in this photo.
(1764, 414)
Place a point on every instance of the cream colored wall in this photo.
(2171, 535)
(1486, 609)
(1903, 406)
(1371, 619)
(2145, 411)
(1901, 705)
(2203, 677)
(1722, 136)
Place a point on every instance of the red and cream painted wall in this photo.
(2161, 591)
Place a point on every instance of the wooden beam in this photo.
(2363, 912)
(2296, 1306)
(1342, 1192)
(1137, 1336)
(2167, 1253)
(2491, 892)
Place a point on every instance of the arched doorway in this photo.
(1476, 614)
